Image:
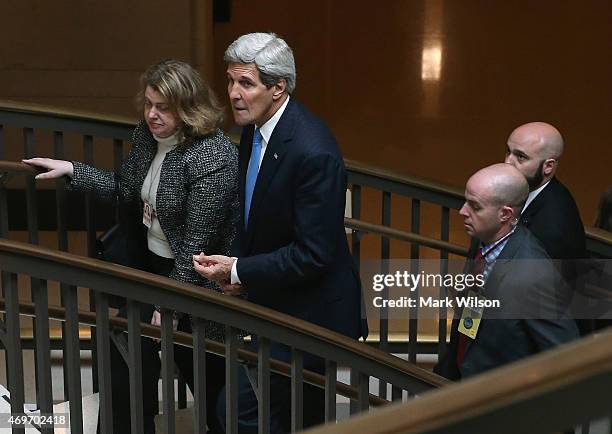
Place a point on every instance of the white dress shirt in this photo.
(532, 195)
(266, 132)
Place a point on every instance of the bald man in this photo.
(517, 272)
(550, 212)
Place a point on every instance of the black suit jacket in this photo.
(294, 256)
(554, 219)
(526, 283)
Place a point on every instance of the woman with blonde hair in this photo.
(180, 189)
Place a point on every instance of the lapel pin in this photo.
(275, 156)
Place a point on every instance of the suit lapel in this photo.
(246, 147)
(534, 207)
(148, 155)
(275, 151)
(500, 269)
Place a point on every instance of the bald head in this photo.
(494, 197)
(502, 184)
(535, 149)
(545, 139)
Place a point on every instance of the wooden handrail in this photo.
(487, 393)
(250, 309)
(402, 178)
(61, 112)
(598, 234)
(17, 167)
(590, 231)
(404, 236)
(186, 339)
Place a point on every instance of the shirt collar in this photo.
(533, 194)
(267, 128)
(491, 251)
(167, 143)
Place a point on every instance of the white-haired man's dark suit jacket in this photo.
(294, 256)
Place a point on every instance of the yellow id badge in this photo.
(471, 316)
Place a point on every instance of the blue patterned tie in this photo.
(251, 176)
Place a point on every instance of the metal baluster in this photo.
(35, 284)
(13, 345)
(1, 142)
(167, 346)
(413, 325)
(356, 251)
(356, 213)
(385, 253)
(62, 239)
(331, 369)
(585, 428)
(396, 393)
(3, 201)
(3, 206)
(117, 161)
(117, 154)
(91, 252)
(104, 371)
(200, 416)
(60, 195)
(89, 200)
(135, 366)
(263, 383)
(364, 392)
(444, 236)
(182, 392)
(297, 390)
(31, 205)
(231, 380)
(44, 390)
(354, 404)
(73, 358)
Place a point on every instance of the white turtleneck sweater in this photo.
(156, 240)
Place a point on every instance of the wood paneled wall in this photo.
(370, 71)
(426, 87)
(89, 54)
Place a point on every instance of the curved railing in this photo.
(44, 266)
(550, 392)
(43, 127)
(385, 187)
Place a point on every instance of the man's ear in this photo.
(506, 213)
(279, 89)
(549, 166)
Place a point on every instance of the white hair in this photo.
(270, 54)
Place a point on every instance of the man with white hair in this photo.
(292, 253)
(517, 272)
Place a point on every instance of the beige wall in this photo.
(360, 66)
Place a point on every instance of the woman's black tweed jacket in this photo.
(197, 197)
